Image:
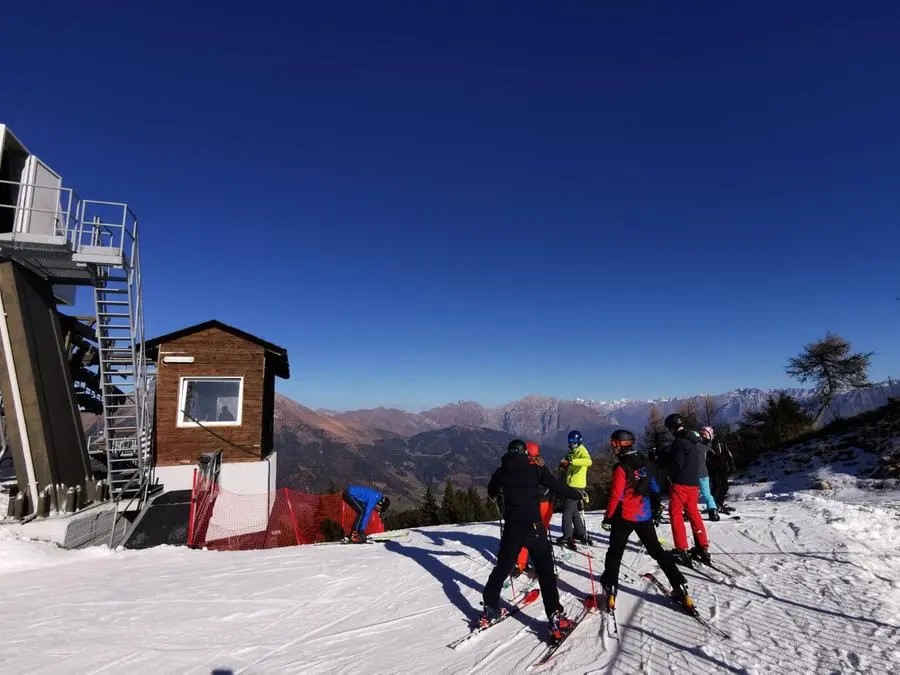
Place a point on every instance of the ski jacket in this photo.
(367, 496)
(719, 457)
(520, 481)
(683, 458)
(634, 490)
(579, 461)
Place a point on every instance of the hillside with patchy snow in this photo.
(812, 589)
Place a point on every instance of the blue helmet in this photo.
(575, 438)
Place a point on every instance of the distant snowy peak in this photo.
(549, 419)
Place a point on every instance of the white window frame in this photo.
(181, 421)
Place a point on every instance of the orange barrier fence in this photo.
(225, 521)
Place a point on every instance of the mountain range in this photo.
(403, 452)
(549, 420)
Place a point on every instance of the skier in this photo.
(634, 503)
(682, 464)
(702, 445)
(575, 465)
(720, 463)
(365, 501)
(533, 450)
(520, 480)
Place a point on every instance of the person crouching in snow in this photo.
(520, 481)
(634, 503)
(533, 450)
(365, 501)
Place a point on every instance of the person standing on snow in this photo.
(705, 494)
(520, 482)
(575, 464)
(682, 464)
(720, 463)
(533, 450)
(634, 503)
(365, 501)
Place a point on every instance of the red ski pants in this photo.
(546, 515)
(685, 497)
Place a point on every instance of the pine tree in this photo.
(449, 505)
(430, 513)
(475, 505)
(655, 437)
(690, 414)
(782, 419)
(831, 367)
(710, 411)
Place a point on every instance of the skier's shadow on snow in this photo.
(451, 580)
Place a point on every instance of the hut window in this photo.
(211, 401)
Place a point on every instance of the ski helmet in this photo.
(622, 442)
(516, 446)
(708, 433)
(575, 438)
(674, 422)
(532, 449)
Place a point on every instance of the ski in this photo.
(609, 617)
(693, 612)
(515, 609)
(554, 645)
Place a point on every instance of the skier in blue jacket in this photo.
(364, 501)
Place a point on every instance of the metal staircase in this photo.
(123, 373)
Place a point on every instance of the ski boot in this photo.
(701, 554)
(610, 592)
(682, 597)
(566, 542)
(489, 615)
(726, 509)
(683, 557)
(560, 624)
(357, 537)
(713, 515)
(586, 540)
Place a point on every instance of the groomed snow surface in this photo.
(814, 590)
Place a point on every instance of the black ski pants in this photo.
(532, 536)
(718, 484)
(618, 538)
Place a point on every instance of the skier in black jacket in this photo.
(522, 484)
(682, 464)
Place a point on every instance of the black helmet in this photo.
(517, 446)
(674, 422)
(622, 437)
(384, 503)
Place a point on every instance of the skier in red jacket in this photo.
(634, 504)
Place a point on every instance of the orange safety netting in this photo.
(226, 521)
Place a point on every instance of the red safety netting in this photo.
(226, 521)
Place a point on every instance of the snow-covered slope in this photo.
(813, 590)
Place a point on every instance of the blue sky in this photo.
(433, 201)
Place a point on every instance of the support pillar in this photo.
(43, 423)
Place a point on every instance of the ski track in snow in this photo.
(814, 590)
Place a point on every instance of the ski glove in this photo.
(564, 464)
(585, 499)
(606, 524)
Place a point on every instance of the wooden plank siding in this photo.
(216, 353)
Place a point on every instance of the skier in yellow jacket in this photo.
(575, 465)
